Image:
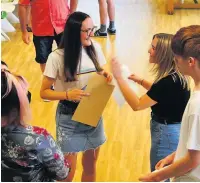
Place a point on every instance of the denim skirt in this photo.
(73, 136)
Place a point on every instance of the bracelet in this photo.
(141, 82)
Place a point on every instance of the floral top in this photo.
(30, 154)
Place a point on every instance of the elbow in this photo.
(42, 94)
(134, 105)
(193, 165)
(135, 108)
(64, 177)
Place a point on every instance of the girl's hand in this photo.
(116, 68)
(135, 78)
(107, 75)
(76, 95)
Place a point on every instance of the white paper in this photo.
(117, 93)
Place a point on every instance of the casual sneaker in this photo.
(98, 33)
(111, 32)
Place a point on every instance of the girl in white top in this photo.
(69, 68)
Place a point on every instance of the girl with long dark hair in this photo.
(69, 67)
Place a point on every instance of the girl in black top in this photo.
(167, 97)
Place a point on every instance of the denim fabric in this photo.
(73, 136)
(164, 141)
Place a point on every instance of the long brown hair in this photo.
(71, 43)
(164, 59)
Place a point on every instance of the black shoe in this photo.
(111, 32)
(98, 33)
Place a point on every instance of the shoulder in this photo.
(56, 59)
(171, 79)
(56, 55)
(28, 135)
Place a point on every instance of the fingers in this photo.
(160, 165)
(84, 94)
(157, 167)
(131, 76)
(27, 41)
(109, 79)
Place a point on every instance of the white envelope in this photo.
(117, 94)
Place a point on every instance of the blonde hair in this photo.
(164, 59)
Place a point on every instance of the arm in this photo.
(190, 161)
(146, 84)
(166, 161)
(143, 82)
(73, 5)
(23, 14)
(52, 158)
(107, 75)
(133, 100)
(47, 93)
(187, 163)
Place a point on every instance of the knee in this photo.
(101, 2)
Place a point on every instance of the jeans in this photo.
(164, 141)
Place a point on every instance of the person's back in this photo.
(30, 154)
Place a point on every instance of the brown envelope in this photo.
(90, 109)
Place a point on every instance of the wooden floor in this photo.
(125, 155)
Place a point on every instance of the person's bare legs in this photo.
(103, 11)
(72, 159)
(111, 14)
(42, 67)
(111, 10)
(89, 160)
(103, 18)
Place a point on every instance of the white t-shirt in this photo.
(55, 68)
(190, 133)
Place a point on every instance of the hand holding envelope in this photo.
(122, 71)
(90, 109)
